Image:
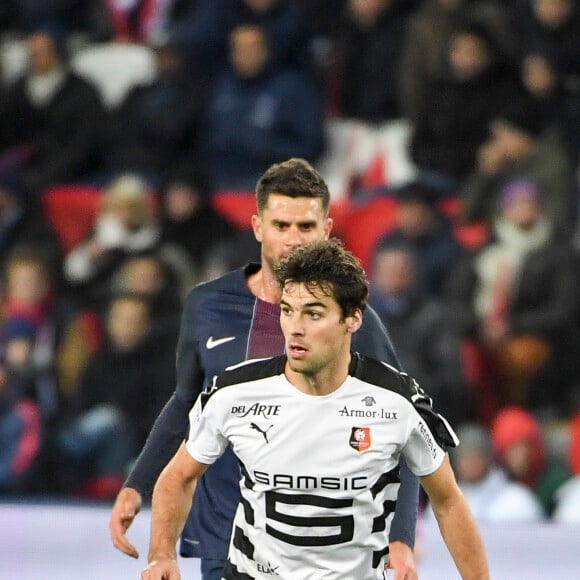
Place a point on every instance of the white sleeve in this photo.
(206, 441)
(429, 435)
(422, 452)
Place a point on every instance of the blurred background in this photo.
(132, 133)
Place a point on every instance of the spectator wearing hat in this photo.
(516, 299)
(520, 447)
(517, 147)
(489, 490)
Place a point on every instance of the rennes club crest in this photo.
(360, 438)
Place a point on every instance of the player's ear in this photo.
(328, 227)
(354, 321)
(257, 227)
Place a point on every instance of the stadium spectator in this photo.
(490, 492)
(420, 225)
(156, 123)
(428, 347)
(150, 276)
(259, 114)
(205, 34)
(453, 119)
(516, 297)
(556, 104)
(188, 219)
(121, 391)
(425, 45)
(552, 26)
(126, 225)
(520, 447)
(63, 336)
(19, 225)
(368, 43)
(50, 119)
(516, 148)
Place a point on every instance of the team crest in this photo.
(360, 438)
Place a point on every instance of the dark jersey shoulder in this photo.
(245, 372)
(233, 282)
(380, 374)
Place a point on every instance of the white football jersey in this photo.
(319, 474)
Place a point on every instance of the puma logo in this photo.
(260, 430)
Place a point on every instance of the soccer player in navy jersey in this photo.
(232, 319)
(318, 464)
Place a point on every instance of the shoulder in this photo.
(251, 371)
(382, 375)
(233, 283)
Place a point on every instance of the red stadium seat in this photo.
(237, 207)
(366, 225)
(71, 210)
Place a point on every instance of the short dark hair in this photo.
(293, 178)
(328, 266)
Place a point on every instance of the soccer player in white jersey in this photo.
(318, 432)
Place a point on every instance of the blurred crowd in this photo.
(475, 269)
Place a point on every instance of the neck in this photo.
(265, 285)
(322, 382)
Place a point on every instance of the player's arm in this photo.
(456, 523)
(172, 498)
